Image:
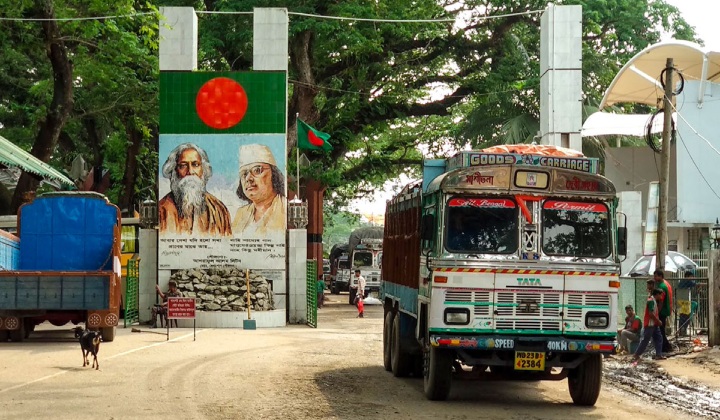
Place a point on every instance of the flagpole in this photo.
(297, 157)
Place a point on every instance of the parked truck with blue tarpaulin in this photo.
(64, 267)
(503, 263)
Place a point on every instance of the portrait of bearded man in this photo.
(188, 208)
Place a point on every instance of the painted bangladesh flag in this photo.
(225, 102)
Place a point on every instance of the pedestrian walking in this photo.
(320, 291)
(665, 307)
(651, 323)
(360, 296)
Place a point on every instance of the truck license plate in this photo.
(529, 360)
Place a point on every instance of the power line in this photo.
(385, 95)
(693, 129)
(411, 20)
(75, 19)
(210, 12)
(696, 166)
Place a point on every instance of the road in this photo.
(332, 372)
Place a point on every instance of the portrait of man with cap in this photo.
(263, 186)
(188, 208)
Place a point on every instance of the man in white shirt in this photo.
(361, 284)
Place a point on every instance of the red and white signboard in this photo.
(575, 206)
(499, 203)
(181, 308)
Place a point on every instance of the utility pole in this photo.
(662, 236)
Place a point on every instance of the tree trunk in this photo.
(302, 101)
(58, 110)
(126, 201)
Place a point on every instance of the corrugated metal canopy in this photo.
(638, 80)
(12, 155)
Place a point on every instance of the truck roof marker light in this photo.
(440, 279)
(614, 283)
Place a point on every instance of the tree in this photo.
(94, 92)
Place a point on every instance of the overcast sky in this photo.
(702, 14)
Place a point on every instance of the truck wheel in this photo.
(108, 334)
(18, 335)
(438, 373)
(29, 327)
(351, 300)
(400, 361)
(387, 340)
(584, 381)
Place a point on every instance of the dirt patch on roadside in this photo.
(653, 382)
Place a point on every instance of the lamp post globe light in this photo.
(715, 232)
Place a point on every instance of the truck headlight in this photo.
(457, 316)
(596, 320)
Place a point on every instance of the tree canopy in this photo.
(389, 93)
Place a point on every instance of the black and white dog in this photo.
(89, 344)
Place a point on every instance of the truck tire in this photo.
(438, 374)
(400, 360)
(584, 381)
(351, 299)
(387, 340)
(29, 327)
(108, 334)
(18, 335)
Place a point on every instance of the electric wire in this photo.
(75, 19)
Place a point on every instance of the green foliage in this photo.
(373, 86)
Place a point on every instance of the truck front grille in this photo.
(528, 304)
(574, 300)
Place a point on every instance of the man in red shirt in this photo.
(651, 323)
(631, 332)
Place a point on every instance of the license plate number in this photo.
(529, 360)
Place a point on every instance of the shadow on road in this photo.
(373, 392)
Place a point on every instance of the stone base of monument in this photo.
(235, 319)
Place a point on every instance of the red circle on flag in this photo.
(221, 103)
(315, 140)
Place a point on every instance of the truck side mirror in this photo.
(622, 241)
(427, 227)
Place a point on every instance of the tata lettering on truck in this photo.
(503, 263)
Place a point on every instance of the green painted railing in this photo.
(311, 293)
(132, 292)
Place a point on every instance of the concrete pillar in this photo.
(297, 287)
(561, 76)
(148, 272)
(178, 39)
(270, 38)
(315, 192)
(713, 297)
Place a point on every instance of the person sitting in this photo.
(160, 310)
(631, 332)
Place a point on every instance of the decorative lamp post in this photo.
(297, 214)
(716, 234)
(148, 214)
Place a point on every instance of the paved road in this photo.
(286, 373)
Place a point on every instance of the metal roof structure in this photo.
(14, 156)
(639, 79)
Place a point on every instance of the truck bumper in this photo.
(501, 350)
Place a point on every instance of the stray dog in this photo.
(89, 344)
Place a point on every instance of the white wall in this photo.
(698, 202)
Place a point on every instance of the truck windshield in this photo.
(482, 225)
(362, 259)
(575, 229)
(344, 263)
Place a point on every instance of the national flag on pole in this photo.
(312, 139)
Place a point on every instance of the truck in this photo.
(63, 267)
(365, 253)
(503, 263)
(339, 268)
